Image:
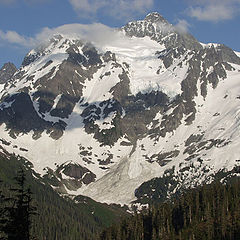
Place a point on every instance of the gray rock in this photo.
(7, 72)
(158, 29)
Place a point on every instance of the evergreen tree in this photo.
(80, 218)
(211, 212)
(19, 210)
(2, 212)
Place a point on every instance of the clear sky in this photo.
(23, 21)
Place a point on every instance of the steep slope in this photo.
(6, 72)
(210, 212)
(57, 217)
(102, 120)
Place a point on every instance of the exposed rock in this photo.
(85, 99)
(7, 72)
(79, 173)
(158, 29)
(18, 121)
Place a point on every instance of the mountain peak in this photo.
(128, 110)
(7, 71)
(155, 17)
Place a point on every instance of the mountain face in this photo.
(154, 106)
(6, 72)
(72, 218)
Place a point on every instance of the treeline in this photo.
(55, 218)
(211, 212)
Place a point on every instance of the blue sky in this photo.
(23, 21)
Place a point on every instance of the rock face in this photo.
(154, 107)
(6, 72)
(158, 29)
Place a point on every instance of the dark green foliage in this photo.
(211, 212)
(2, 212)
(17, 211)
(57, 218)
(162, 186)
(171, 185)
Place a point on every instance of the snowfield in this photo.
(217, 119)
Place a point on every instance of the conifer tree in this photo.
(207, 213)
(2, 212)
(19, 210)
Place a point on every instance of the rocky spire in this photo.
(155, 17)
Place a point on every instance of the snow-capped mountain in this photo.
(100, 120)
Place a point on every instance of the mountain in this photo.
(148, 109)
(209, 212)
(55, 216)
(6, 72)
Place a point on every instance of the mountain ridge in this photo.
(126, 112)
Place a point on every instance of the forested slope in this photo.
(209, 212)
(57, 217)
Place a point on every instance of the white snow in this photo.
(123, 178)
(56, 100)
(53, 56)
(237, 53)
(98, 88)
(209, 45)
(129, 169)
(1, 87)
(140, 54)
(106, 123)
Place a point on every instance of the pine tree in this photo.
(2, 212)
(207, 213)
(19, 210)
